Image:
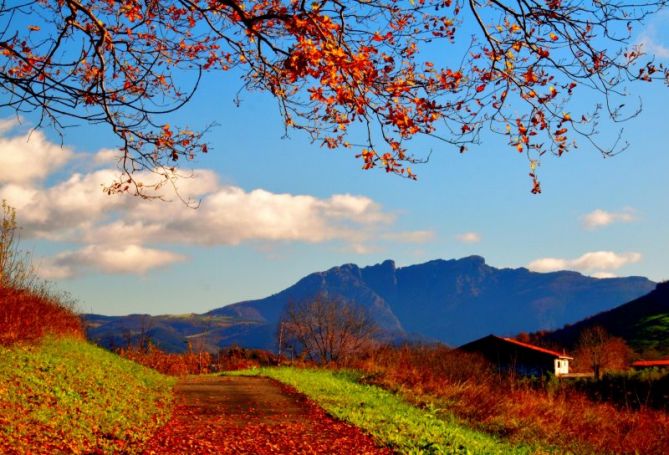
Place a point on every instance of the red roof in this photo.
(536, 348)
(651, 363)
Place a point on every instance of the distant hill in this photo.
(643, 323)
(452, 301)
(173, 333)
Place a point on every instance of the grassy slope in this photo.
(66, 395)
(643, 323)
(390, 420)
(651, 333)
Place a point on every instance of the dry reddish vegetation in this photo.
(516, 408)
(168, 363)
(28, 315)
(191, 362)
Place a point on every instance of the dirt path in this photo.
(252, 415)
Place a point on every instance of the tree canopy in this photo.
(365, 75)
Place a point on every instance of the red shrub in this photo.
(28, 316)
(168, 363)
(238, 358)
(234, 358)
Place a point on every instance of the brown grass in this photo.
(515, 408)
(168, 363)
(28, 315)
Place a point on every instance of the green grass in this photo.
(390, 420)
(68, 396)
(651, 334)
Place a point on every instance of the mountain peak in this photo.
(388, 264)
(473, 259)
(349, 268)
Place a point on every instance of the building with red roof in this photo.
(526, 359)
(643, 364)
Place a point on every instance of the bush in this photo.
(29, 308)
(168, 363)
(26, 315)
(237, 358)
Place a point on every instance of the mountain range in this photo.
(450, 301)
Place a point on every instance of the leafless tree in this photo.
(328, 329)
(600, 351)
(16, 270)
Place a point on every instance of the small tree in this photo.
(600, 351)
(328, 329)
(16, 270)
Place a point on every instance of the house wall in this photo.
(561, 366)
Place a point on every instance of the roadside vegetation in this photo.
(392, 421)
(59, 393)
(545, 411)
(64, 395)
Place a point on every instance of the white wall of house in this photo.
(561, 366)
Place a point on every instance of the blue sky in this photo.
(274, 210)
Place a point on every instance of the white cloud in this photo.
(115, 233)
(77, 210)
(56, 212)
(469, 237)
(605, 260)
(594, 263)
(604, 275)
(29, 157)
(231, 215)
(548, 265)
(653, 40)
(600, 218)
(650, 45)
(106, 156)
(129, 259)
(8, 124)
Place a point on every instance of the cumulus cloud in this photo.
(231, 215)
(8, 124)
(129, 259)
(106, 156)
(600, 218)
(117, 233)
(604, 275)
(56, 212)
(595, 263)
(28, 157)
(469, 237)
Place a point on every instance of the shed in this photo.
(525, 359)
